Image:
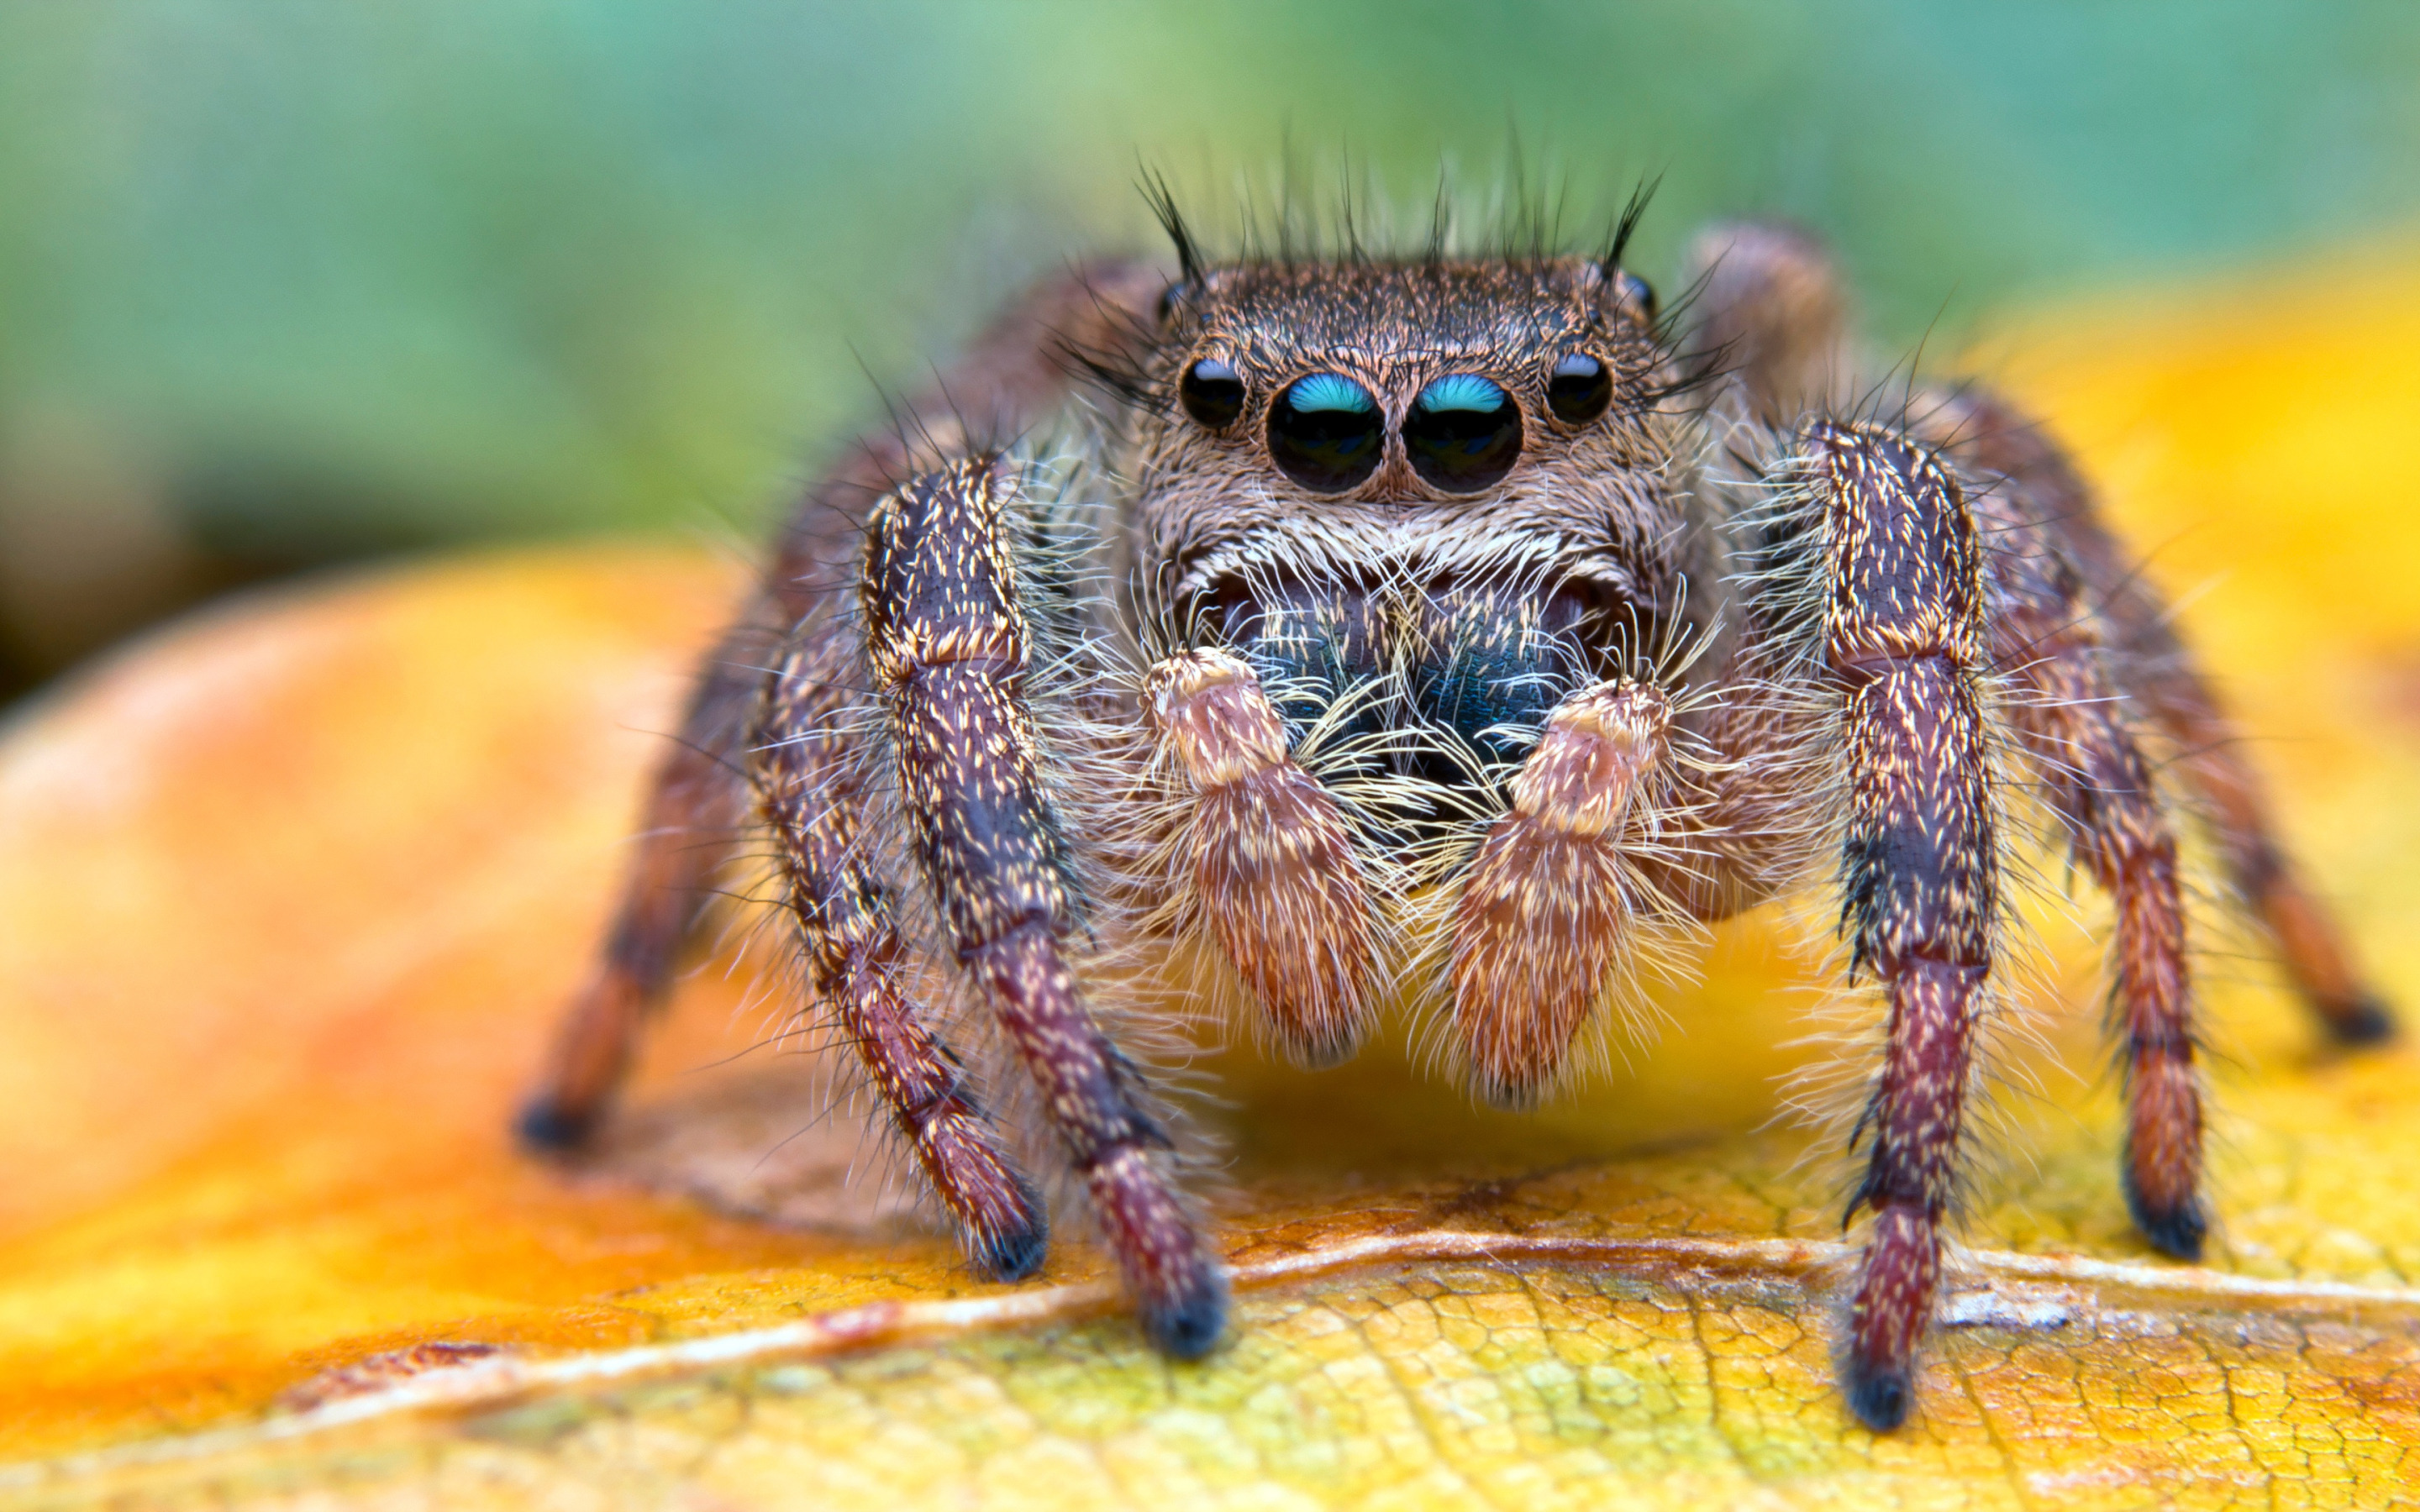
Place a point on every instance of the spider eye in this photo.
(1580, 389)
(1635, 291)
(1212, 393)
(1325, 432)
(1463, 433)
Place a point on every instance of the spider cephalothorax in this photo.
(1440, 629)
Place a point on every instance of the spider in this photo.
(1446, 628)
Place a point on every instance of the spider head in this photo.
(1423, 475)
(1403, 384)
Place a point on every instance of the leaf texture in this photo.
(291, 893)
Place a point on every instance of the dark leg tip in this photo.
(1187, 1323)
(1880, 1397)
(1016, 1255)
(546, 1127)
(2176, 1233)
(2365, 1020)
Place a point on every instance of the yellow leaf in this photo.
(291, 893)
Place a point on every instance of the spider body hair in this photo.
(1322, 629)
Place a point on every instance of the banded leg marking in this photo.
(1546, 914)
(2310, 943)
(2168, 682)
(699, 796)
(948, 646)
(1903, 638)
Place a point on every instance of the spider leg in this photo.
(1547, 910)
(946, 639)
(2156, 671)
(2072, 724)
(1889, 545)
(1273, 869)
(698, 798)
(693, 813)
(806, 769)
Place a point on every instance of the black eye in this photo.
(1325, 432)
(1580, 389)
(1212, 393)
(1634, 291)
(1463, 433)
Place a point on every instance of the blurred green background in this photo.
(288, 282)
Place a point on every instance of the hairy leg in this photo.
(1881, 533)
(1547, 912)
(698, 801)
(2072, 723)
(1272, 868)
(1770, 309)
(2159, 671)
(947, 643)
(807, 772)
(695, 812)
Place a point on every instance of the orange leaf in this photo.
(291, 894)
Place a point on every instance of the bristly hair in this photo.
(1156, 193)
(1622, 228)
(1525, 212)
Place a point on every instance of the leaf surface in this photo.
(291, 894)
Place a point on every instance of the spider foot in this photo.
(2175, 1228)
(546, 1126)
(1187, 1323)
(1179, 1288)
(1013, 1254)
(1893, 1307)
(1879, 1394)
(2363, 1019)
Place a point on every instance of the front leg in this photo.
(947, 643)
(1894, 555)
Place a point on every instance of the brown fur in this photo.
(1273, 873)
(1736, 635)
(1548, 910)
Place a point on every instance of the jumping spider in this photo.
(1438, 626)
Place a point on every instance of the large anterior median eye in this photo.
(1327, 433)
(1463, 433)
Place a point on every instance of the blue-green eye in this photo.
(1327, 433)
(1463, 433)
